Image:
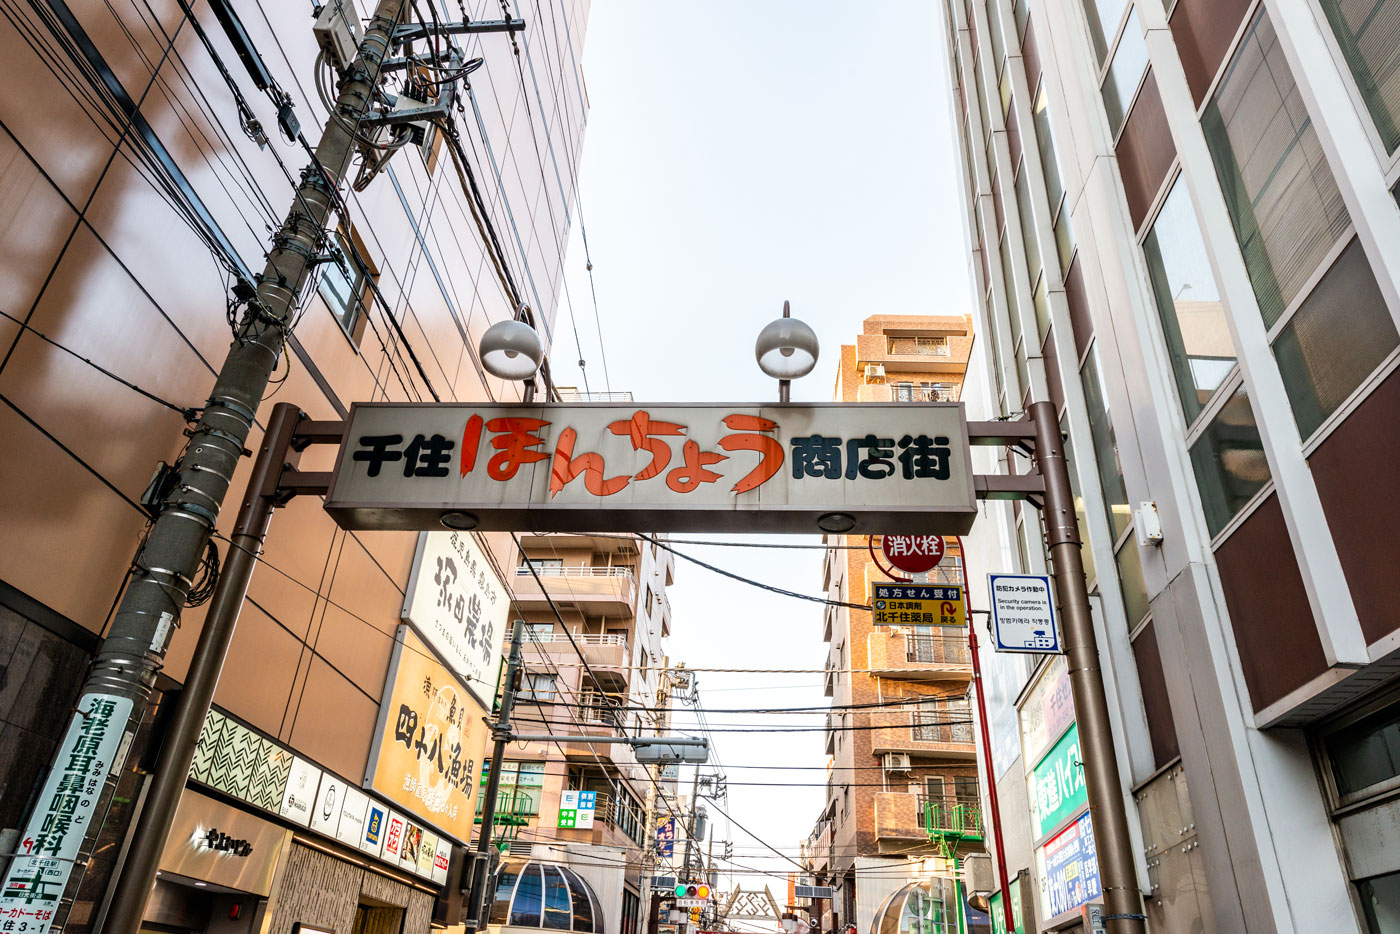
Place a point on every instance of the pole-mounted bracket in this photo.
(413, 32)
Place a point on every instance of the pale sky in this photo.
(738, 154)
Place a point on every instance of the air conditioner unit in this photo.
(897, 762)
(337, 32)
(873, 370)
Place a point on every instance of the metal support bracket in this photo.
(414, 32)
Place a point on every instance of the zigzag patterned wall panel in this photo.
(239, 762)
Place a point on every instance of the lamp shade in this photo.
(786, 348)
(511, 350)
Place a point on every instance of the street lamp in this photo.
(512, 350)
(786, 349)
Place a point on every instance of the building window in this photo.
(631, 908)
(1125, 73)
(1361, 765)
(543, 566)
(1365, 756)
(539, 632)
(1104, 17)
(345, 285)
(1370, 42)
(1283, 199)
(1290, 219)
(536, 686)
(1131, 582)
(965, 789)
(1105, 442)
(1193, 318)
(1337, 337)
(1229, 461)
(522, 784)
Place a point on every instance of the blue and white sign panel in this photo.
(1023, 614)
(1069, 864)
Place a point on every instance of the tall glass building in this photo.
(1183, 232)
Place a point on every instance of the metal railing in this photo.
(928, 346)
(946, 723)
(934, 649)
(597, 708)
(923, 394)
(951, 817)
(569, 570)
(573, 395)
(582, 638)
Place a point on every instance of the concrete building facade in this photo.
(122, 159)
(1183, 233)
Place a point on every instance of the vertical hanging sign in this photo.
(49, 845)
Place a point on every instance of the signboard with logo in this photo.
(666, 838)
(46, 850)
(576, 809)
(442, 859)
(1069, 864)
(999, 915)
(1023, 613)
(918, 605)
(882, 467)
(458, 604)
(429, 741)
(913, 554)
(1047, 709)
(376, 818)
(213, 842)
(1057, 788)
(303, 781)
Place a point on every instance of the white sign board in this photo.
(49, 844)
(459, 606)
(861, 468)
(353, 816)
(1023, 614)
(300, 795)
(576, 809)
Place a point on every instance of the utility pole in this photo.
(500, 734)
(690, 823)
(125, 667)
(1117, 867)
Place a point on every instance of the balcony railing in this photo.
(943, 723)
(928, 346)
(582, 638)
(933, 649)
(951, 818)
(924, 394)
(574, 571)
(567, 394)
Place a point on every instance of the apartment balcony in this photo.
(831, 723)
(878, 388)
(927, 353)
(610, 591)
(943, 732)
(904, 821)
(819, 847)
(607, 655)
(919, 656)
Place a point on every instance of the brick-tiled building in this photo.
(900, 735)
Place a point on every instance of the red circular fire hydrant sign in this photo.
(913, 554)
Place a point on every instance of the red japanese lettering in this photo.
(567, 467)
(688, 478)
(471, 440)
(771, 450)
(514, 445)
(646, 434)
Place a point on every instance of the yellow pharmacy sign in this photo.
(918, 605)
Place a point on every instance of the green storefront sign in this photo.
(1057, 791)
(999, 916)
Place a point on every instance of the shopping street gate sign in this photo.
(860, 468)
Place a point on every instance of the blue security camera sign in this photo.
(1023, 614)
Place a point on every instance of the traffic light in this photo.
(692, 890)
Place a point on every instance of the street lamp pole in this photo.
(1117, 867)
